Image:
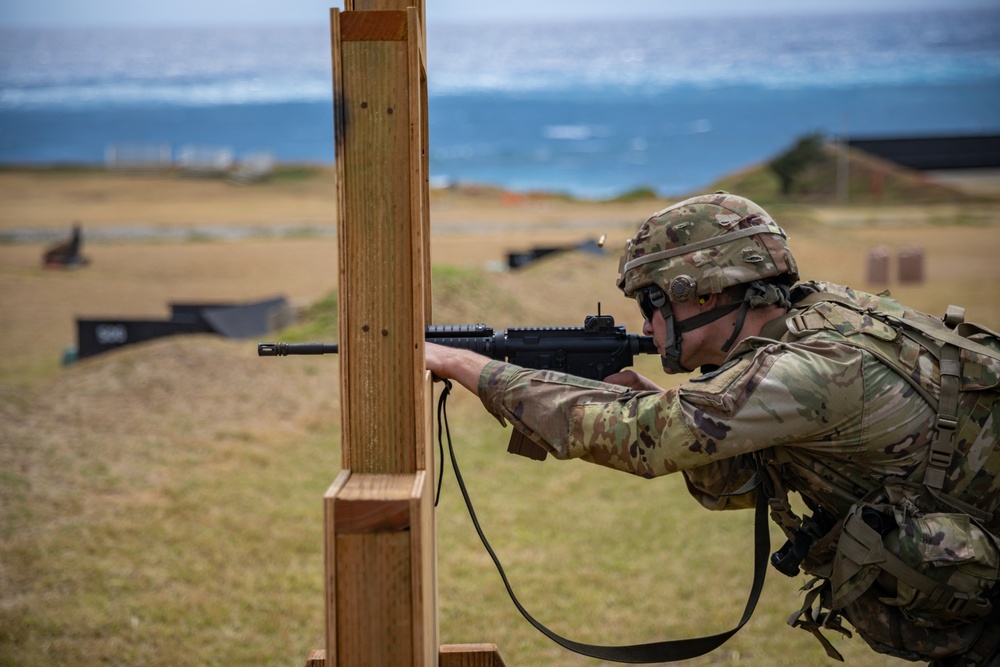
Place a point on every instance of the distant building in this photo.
(935, 153)
(138, 157)
(204, 160)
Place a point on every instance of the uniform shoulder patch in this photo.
(716, 372)
(726, 389)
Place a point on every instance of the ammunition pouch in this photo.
(909, 577)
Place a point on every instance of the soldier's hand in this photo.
(463, 366)
(437, 358)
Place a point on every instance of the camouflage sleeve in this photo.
(809, 395)
(551, 408)
(714, 485)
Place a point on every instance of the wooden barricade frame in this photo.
(379, 531)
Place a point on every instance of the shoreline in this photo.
(299, 199)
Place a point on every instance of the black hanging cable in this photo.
(663, 651)
(442, 419)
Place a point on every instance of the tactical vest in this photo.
(914, 565)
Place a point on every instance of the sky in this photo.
(91, 13)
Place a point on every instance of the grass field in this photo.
(161, 505)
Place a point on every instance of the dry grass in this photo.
(162, 504)
(144, 522)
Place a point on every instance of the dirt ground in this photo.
(156, 239)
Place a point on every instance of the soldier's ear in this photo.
(711, 301)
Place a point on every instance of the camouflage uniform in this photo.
(829, 419)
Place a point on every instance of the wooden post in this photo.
(471, 655)
(380, 538)
(384, 297)
(381, 579)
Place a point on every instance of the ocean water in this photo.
(592, 109)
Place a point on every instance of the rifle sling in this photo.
(662, 651)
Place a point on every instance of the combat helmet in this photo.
(703, 245)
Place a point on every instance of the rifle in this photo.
(596, 350)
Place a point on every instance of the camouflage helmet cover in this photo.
(703, 245)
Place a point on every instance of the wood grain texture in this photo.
(470, 655)
(330, 559)
(451, 655)
(381, 270)
(381, 561)
(374, 588)
(373, 26)
(317, 658)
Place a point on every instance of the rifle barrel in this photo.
(284, 349)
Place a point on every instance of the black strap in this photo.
(663, 651)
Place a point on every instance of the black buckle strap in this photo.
(965, 605)
(943, 445)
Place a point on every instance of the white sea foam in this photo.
(40, 69)
(591, 109)
(198, 94)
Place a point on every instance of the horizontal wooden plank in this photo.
(470, 655)
(317, 658)
(372, 503)
(371, 516)
(373, 26)
(452, 655)
(376, 486)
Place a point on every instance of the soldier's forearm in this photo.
(462, 366)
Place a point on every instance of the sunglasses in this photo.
(650, 300)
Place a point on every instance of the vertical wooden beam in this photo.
(330, 565)
(380, 539)
(383, 292)
(382, 601)
(372, 533)
(377, 611)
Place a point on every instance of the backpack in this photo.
(914, 566)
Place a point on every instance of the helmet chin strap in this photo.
(671, 357)
(758, 294)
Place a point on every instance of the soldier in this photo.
(885, 421)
